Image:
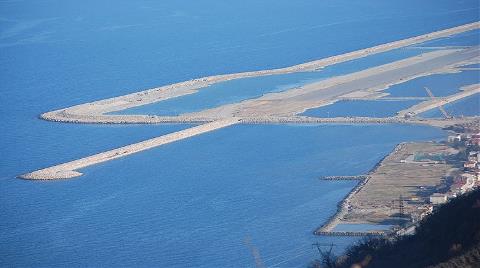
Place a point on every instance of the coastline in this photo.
(102, 107)
(69, 169)
(286, 103)
(342, 206)
(190, 134)
(396, 180)
(280, 107)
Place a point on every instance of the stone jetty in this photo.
(69, 169)
(283, 107)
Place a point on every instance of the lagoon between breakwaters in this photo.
(191, 203)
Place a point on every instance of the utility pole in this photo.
(401, 206)
(328, 257)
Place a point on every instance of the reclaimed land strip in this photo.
(381, 98)
(192, 86)
(344, 178)
(351, 233)
(297, 100)
(68, 170)
(436, 122)
(280, 107)
(428, 105)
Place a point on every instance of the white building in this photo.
(437, 199)
(454, 138)
(469, 182)
(469, 164)
(473, 157)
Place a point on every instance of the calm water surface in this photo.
(248, 88)
(469, 106)
(361, 108)
(470, 38)
(439, 84)
(190, 203)
(194, 202)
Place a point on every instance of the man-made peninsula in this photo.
(279, 107)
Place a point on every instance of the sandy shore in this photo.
(375, 200)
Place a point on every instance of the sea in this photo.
(212, 200)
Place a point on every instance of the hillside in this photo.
(450, 237)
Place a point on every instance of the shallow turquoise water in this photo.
(360, 108)
(469, 106)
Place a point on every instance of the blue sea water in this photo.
(190, 203)
(439, 84)
(470, 38)
(225, 93)
(248, 88)
(361, 108)
(476, 65)
(469, 106)
(194, 202)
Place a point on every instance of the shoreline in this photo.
(69, 169)
(109, 105)
(374, 200)
(292, 101)
(342, 206)
(271, 108)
